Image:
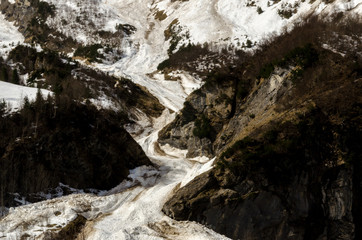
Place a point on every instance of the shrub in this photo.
(45, 9)
(203, 128)
(285, 13)
(259, 10)
(15, 77)
(249, 44)
(90, 52)
(266, 71)
(163, 65)
(188, 113)
(4, 76)
(303, 56)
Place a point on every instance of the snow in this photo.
(9, 36)
(14, 94)
(220, 22)
(132, 210)
(141, 210)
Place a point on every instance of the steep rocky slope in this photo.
(288, 159)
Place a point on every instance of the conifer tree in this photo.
(4, 74)
(15, 77)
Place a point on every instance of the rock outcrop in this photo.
(288, 160)
(249, 210)
(289, 184)
(203, 116)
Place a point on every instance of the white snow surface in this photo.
(9, 36)
(14, 94)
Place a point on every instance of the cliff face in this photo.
(305, 209)
(288, 158)
(203, 115)
(289, 184)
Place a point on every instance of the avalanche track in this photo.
(132, 210)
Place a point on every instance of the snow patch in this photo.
(14, 94)
(10, 37)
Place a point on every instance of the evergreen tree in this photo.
(4, 74)
(39, 101)
(15, 77)
(26, 103)
(3, 108)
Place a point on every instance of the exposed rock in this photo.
(286, 158)
(337, 201)
(203, 116)
(250, 211)
(31, 22)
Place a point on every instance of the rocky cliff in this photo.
(288, 157)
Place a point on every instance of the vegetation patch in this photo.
(302, 57)
(173, 33)
(45, 9)
(288, 10)
(203, 128)
(287, 149)
(160, 15)
(126, 28)
(57, 140)
(183, 57)
(188, 113)
(91, 52)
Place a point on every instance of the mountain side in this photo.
(278, 108)
(288, 159)
(50, 142)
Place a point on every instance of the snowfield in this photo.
(132, 210)
(221, 23)
(14, 94)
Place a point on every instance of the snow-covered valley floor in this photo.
(132, 210)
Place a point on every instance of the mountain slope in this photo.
(288, 158)
(253, 81)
